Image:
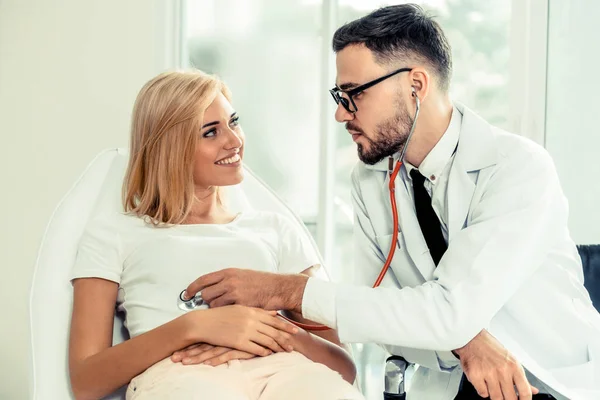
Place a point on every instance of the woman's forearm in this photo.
(324, 352)
(100, 374)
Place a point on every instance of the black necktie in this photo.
(428, 220)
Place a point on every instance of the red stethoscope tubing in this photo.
(390, 257)
(392, 186)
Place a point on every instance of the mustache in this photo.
(351, 127)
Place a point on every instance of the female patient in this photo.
(186, 142)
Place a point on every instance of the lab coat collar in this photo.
(476, 148)
(437, 159)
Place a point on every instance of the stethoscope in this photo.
(197, 301)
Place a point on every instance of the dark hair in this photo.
(399, 32)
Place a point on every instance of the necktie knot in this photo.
(417, 177)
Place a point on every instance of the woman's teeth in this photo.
(229, 160)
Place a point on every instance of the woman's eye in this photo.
(210, 133)
(235, 121)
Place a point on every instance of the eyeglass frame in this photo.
(353, 92)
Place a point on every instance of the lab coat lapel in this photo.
(476, 150)
(460, 193)
(413, 238)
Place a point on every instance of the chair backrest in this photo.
(590, 258)
(97, 190)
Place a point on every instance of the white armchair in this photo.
(97, 190)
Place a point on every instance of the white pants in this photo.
(289, 376)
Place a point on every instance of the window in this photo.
(268, 53)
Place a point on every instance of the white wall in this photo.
(573, 110)
(69, 73)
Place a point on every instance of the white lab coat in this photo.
(511, 268)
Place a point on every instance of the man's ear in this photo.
(420, 81)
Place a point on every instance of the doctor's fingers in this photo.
(493, 389)
(479, 383)
(524, 389)
(508, 389)
(204, 282)
(212, 293)
(226, 299)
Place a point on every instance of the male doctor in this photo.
(486, 281)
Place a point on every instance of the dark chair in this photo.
(590, 258)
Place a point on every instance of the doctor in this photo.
(485, 281)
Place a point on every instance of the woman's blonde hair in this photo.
(166, 122)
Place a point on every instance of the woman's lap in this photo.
(169, 380)
(281, 375)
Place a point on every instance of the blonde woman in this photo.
(186, 142)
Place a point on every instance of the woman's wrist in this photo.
(300, 341)
(194, 326)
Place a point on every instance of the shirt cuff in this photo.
(318, 302)
(447, 361)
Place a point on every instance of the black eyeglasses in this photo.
(348, 103)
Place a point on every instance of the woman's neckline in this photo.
(235, 219)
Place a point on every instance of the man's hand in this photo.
(204, 353)
(492, 370)
(264, 290)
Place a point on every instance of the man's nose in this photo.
(343, 115)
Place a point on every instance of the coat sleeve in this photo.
(521, 214)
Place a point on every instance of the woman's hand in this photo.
(204, 353)
(251, 330)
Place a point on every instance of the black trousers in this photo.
(468, 392)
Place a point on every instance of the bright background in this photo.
(70, 71)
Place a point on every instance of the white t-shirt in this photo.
(152, 265)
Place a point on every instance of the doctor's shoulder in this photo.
(521, 153)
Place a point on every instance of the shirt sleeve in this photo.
(296, 249)
(318, 302)
(99, 252)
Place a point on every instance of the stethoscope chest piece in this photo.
(194, 303)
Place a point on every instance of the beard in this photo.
(390, 137)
